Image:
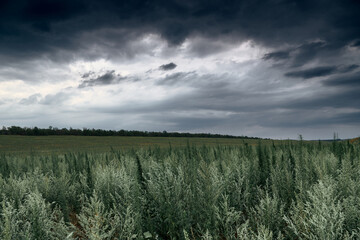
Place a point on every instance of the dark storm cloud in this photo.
(200, 47)
(351, 81)
(312, 72)
(280, 55)
(347, 68)
(308, 118)
(321, 71)
(343, 97)
(308, 52)
(303, 54)
(346, 118)
(107, 78)
(35, 28)
(356, 43)
(51, 11)
(168, 67)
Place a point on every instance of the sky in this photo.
(261, 68)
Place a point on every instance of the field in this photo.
(200, 190)
(66, 144)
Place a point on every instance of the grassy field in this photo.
(65, 144)
(270, 191)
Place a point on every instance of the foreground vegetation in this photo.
(284, 191)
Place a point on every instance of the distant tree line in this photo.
(35, 131)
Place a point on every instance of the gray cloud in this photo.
(215, 82)
(346, 118)
(342, 98)
(87, 74)
(50, 99)
(46, 28)
(312, 72)
(168, 67)
(307, 52)
(351, 81)
(280, 55)
(310, 119)
(321, 71)
(347, 68)
(31, 99)
(300, 55)
(356, 43)
(177, 78)
(110, 77)
(201, 47)
(56, 99)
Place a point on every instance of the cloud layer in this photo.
(273, 68)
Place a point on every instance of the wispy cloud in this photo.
(168, 67)
(108, 78)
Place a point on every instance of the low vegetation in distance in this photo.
(23, 140)
(35, 131)
(58, 141)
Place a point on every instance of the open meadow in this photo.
(200, 190)
(64, 144)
